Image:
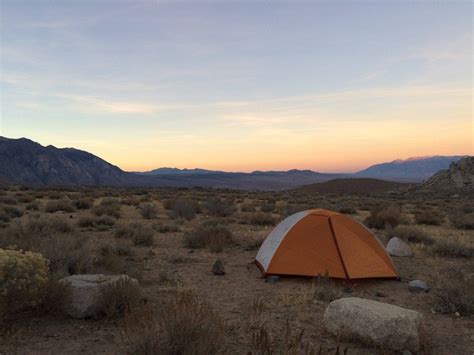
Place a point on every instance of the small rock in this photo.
(457, 314)
(218, 268)
(272, 279)
(398, 247)
(418, 286)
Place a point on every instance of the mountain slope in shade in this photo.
(176, 171)
(411, 170)
(353, 186)
(23, 161)
(459, 178)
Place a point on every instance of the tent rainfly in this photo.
(320, 242)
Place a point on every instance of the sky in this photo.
(332, 86)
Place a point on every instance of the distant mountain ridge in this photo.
(415, 169)
(23, 161)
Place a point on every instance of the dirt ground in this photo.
(242, 295)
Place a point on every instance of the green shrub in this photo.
(23, 280)
(384, 216)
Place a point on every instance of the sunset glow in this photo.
(240, 86)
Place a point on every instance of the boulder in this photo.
(398, 247)
(374, 323)
(218, 268)
(84, 296)
(418, 286)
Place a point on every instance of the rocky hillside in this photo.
(23, 161)
(459, 178)
(353, 186)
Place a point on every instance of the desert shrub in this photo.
(182, 208)
(148, 211)
(462, 220)
(119, 297)
(291, 208)
(210, 235)
(23, 280)
(384, 216)
(139, 234)
(33, 206)
(218, 207)
(268, 206)
(411, 234)
(264, 339)
(429, 216)
(451, 248)
(108, 207)
(262, 219)
(11, 211)
(453, 294)
(247, 207)
(100, 223)
(59, 205)
(346, 209)
(187, 326)
(86, 222)
(166, 228)
(55, 195)
(325, 289)
(8, 200)
(4, 217)
(83, 203)
(54, 238)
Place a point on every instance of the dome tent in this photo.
(320, 242)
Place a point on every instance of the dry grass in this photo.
(454, 294)
(384, 216)
(452, 248)
(211, 235)
(411, 234)
(429, 216)
(120, 297)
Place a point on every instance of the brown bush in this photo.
(11, 211)
(118, 298)
(83, 203)
(182, 208)
(384, 216)
(411, 234)
(187, 326)
(268, 206)
(59, 205)
(452, 248)
(429, 216)
(166, 228)
(325, 289)
(453, 294)
(218, 207)
(139, 234)
(262, 219)
(462, 220)
(108, 207)
(211, 235)
(148, 211)
(100, 223)
(247, 207)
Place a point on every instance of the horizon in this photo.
(328, 87)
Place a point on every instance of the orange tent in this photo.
(321, 242)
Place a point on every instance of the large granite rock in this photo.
(374, 323)
(84, 297)
(397, 247)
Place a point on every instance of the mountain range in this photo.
(23, 161)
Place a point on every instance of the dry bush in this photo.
(11, 211)
(384, 216)
(83, 203)
(59, 205)
(325, 289)
(452, 248)
(101, 223)
(8, 200)
(25, 198)
(264, 340)
(454, 294)
(268, 206)
(429, 216)
(262, 219)
(148, 211)
(211, 235)
(166, 228)
(346, 209)
(248, 207)
(462, 220)
(182, 207)
(33, 206)
(122, 296)
(139, 234)
(186, 326)
(108, 207)
(292, 208)
(411, 234)
(55, 239)
(218, 207)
